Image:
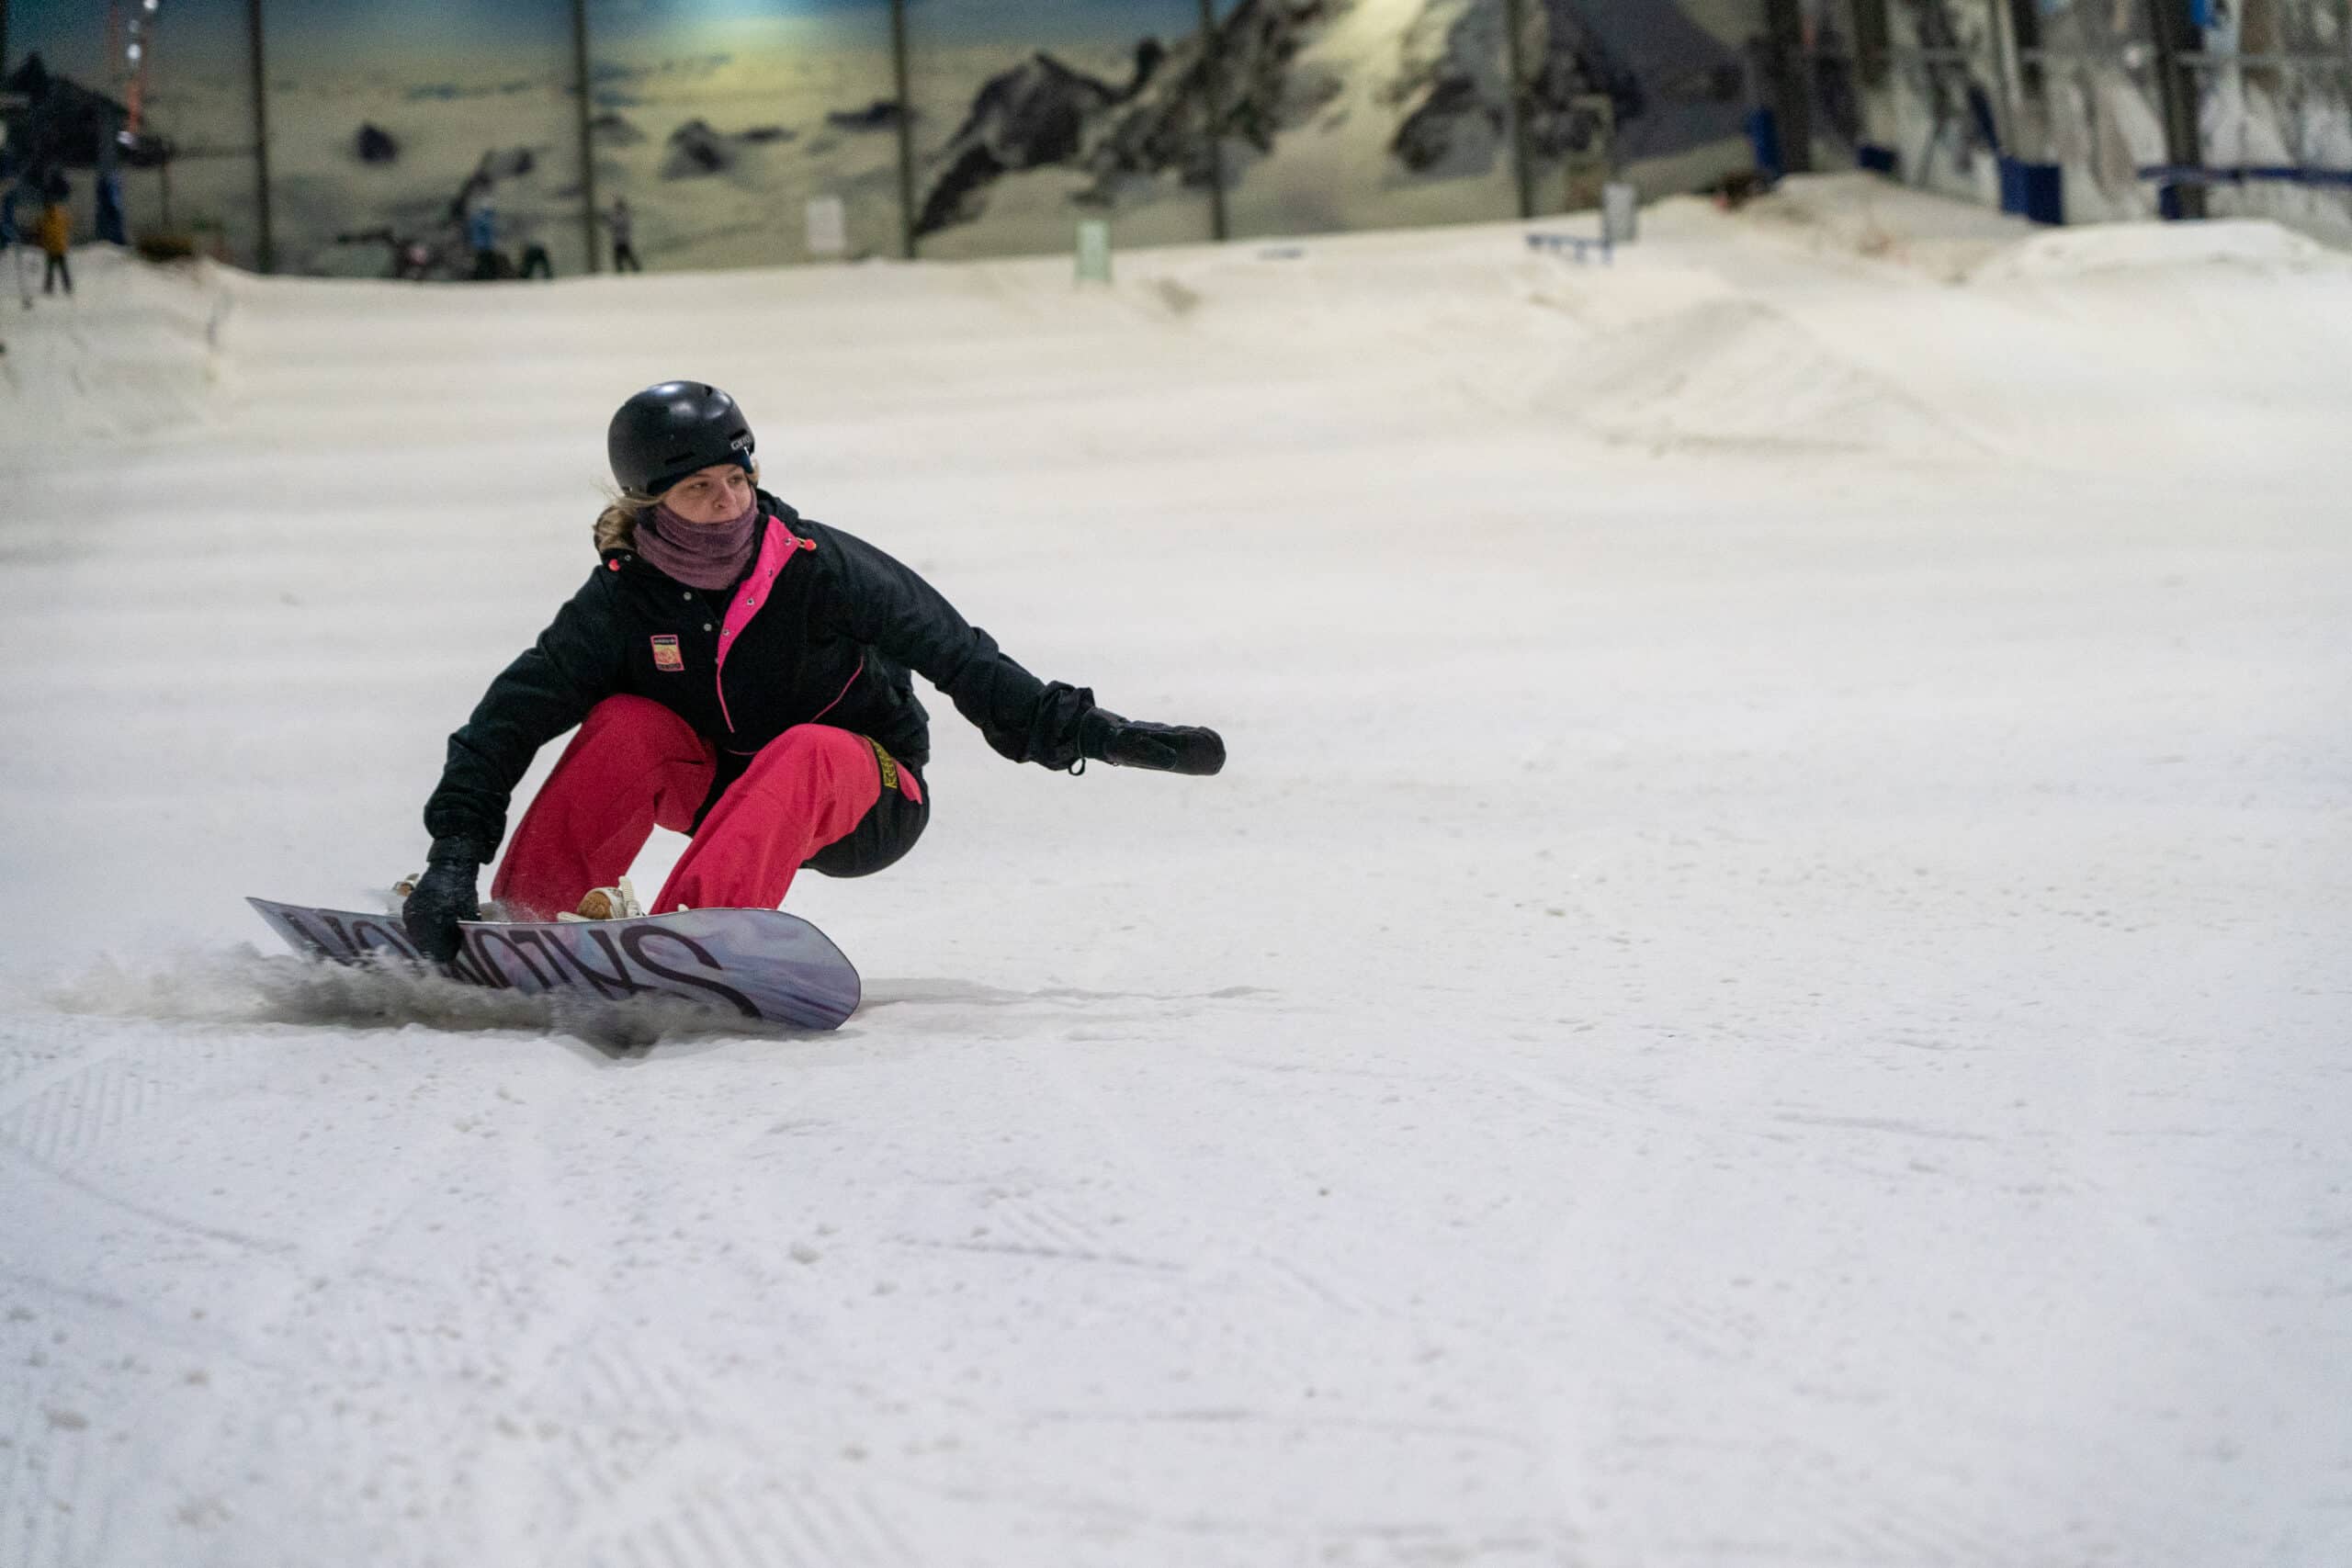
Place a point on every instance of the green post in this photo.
(1093, 250)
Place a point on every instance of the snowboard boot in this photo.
(614, 903)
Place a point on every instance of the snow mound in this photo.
(1863, 216)
(2098, 248)
(136, 350)
(1735, 373)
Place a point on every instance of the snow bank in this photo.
(137, 351)
(1692, 338)
(2251, 245)
(1864, 216)
(1738, 374)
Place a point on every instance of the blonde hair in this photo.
(616, 524)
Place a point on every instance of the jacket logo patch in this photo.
(666, 655)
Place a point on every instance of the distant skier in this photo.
(113, 227)
(481, 236)
(56, 243)
(623, 225)
(739, 673)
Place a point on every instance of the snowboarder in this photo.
(739, 673)
(56, 240)
(623, 223)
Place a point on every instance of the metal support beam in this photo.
(587, 132)
(906, 129)
(1212, 109)
(266, 257)
(1522, 155)
(1789, 88)
(1872, 45)
(109, 172)
(2177, 39)
(2025, 40)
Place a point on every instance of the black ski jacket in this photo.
(840, 626)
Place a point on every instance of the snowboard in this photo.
(752, 963)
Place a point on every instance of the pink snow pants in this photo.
(635, 765)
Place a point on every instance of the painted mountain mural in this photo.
(720, 121)
(1375, 102)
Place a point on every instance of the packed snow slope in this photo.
(1769, 982)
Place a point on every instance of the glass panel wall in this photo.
(1029, 118)
(719, 122)
(190, 172)
(198, 113)
(1657, 92)
(444, 138)
(432, 124)
(70, 82)
(1834, 77)
(1948, 137)
(2092, 75)
(1364, 115)
(2275, 112)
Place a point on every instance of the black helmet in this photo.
(667, 432)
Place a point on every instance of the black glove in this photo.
(442, 897)
(1105, 737)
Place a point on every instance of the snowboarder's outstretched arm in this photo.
(870, 597)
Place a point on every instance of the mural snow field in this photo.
(1765, 984)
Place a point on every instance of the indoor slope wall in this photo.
(2259, 92)
(962, 127)
(944, 127)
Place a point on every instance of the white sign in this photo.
(1621, 209)
(828, 227)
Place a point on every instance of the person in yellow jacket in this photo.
(56, 240)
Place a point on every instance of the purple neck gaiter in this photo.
(700, 555)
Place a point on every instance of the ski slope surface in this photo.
(1769, 981)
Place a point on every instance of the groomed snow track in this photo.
(1767, 984)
